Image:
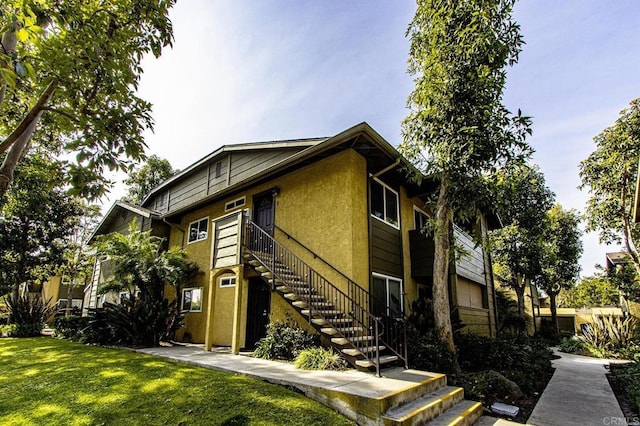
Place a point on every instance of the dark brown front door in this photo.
(258, 309)
(263, 212)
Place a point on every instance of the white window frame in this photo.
(233, 204)
(228, 281)
(384, 201)
(191, 289)
(387, 278)
(422, 212)
(199, 238)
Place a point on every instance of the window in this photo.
(219, 169)
(384, 203)
(235, 203)
(227, 282)
(192, 299)
(419, 219)
(198, 230)
(387, 295)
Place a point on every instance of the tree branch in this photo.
(61, 112)
(33, 113)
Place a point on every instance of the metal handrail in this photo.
(350, 311)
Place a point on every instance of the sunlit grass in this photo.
(50, 381)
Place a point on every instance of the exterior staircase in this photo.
(365, 340)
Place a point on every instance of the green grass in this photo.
(47, 381)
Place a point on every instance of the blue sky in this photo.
(245, 71)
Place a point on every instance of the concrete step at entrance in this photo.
(425, 408)
(344, 341)
(360, 351)
(464, 413)
(385, 359)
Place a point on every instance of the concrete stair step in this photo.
(464, 413)
(360, 351)
(385, 359)
(345, 341)
(324, 312)
(425, 408)
(334, 321)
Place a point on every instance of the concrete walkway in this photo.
(578, 394)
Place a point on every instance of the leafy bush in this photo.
(628, 375)
(29, 314)
(489, 386)
(525, 361)
(609, 335)
(574, 345)
(138, 322)
(319, 359)
(70, 327)
(284, 340)
(427, 352)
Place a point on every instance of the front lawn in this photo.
(51, 381)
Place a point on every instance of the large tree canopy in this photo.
(68, 77)
(610, 173)
(522, 202)
(35, 225)
(458, 129)
(151, 174)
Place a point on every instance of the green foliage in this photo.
(29, 314)
(58, 382)
(574, 345)
(510, 322)
(319, 359)
(525, 361)
(72, 71)
(596, 290)
(629, 376)
(70, 327)
(626, 278)
(608, 335)
(427, 352)
(284, 340)
(140, 263)
(141, 181)
(36, 223)
(610, 173)
(7, 330)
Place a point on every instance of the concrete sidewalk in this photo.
(578, 394)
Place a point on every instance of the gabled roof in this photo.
(117, 209)
(251, 146)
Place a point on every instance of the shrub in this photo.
(319, 359)
(427, 352)
(574, 345)
(70, 327)
(139, 322)
(7, 330)
(284, 340)
(628, 375)
(29, 314)
(608, 335)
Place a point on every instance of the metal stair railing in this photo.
(347, 317)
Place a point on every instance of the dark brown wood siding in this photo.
(421, 250)
(386, 249)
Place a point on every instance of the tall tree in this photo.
(458, 129)
(560, 267)
(154, 171)
(77, 258)
(69, 71)
(522, 200)
(610, 173)
(37, 219)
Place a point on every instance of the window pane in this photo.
(193, 232)
(377, 200)
(196, 299)
(202, 229)
(186, 300)
(391, 207)
(379, 293)
(395, 297)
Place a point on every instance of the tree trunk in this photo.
(518, 287)
(554, 312)
(441, 307)
(8, 47)
(70, 287)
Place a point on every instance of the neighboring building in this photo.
(325, 230)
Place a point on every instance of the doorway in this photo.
(258, 310)
(263, 211)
